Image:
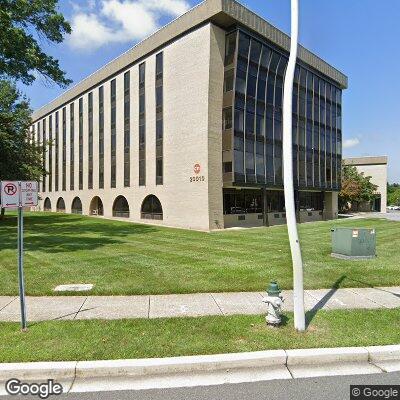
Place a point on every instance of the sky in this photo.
(358, 37)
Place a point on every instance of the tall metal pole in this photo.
(21, 267)
(298, 287)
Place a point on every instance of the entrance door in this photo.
(377, 204)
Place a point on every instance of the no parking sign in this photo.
(19, 194)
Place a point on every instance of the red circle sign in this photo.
(10, 189)
(196, 168)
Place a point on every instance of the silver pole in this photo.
(298, 287)
(21, 267)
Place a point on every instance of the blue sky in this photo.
(359, 37)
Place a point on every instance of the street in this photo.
(327, 388)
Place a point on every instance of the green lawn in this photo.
(121, 339)
(125, 258)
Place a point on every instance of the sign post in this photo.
(21, 280)
(19, 194)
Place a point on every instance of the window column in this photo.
(44, 143)
(64, 149)
(309, 130)
(90, 138)
(57, 155)
(127, 128)
(239, 110)
(50, 172)
(322, 108)
(113, 133)
(302, 128)
(316, 133)
(159, 119)
(101, 137)
(80, 132)
(142, 125)
(278, 129)
(71, 147)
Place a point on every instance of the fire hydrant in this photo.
(274, 300)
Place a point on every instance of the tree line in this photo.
(24, 25)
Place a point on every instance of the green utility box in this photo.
(353, 243)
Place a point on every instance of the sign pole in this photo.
(21, 267)
(19, 194)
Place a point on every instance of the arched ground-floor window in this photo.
(151, 208)
(47, 204)
(76, 207)
(60, 205)
(121, 207)
(96, 206)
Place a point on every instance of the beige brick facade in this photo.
(376, 168)
(192, 120)
(191, 195)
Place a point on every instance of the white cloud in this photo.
(352, 142)
(118, 21)
(89, 32)
(134, 19)
(170, 7)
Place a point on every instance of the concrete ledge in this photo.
(173, 365)
(38, 370)
(327, 362)
(326, 355)
(385, 357)
(384, 353)
(215, 369)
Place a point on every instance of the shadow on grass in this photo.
(59, 233)
(313, 312)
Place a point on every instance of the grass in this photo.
(125, 258)
(121, 339)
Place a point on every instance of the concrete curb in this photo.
(208, 369)
(176, 365)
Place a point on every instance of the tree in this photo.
(20, 157)
(24, 24)
(356, 188)
(20, 53)
(393, 191)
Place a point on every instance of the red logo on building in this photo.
(196, 168)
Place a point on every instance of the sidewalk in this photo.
(190, 305)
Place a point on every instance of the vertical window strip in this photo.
(51, 144)
(113, 111)
(57, 154)
(44, 144)
(90, 139)
(80, 132)
(142, 125)
(38, 133)
(64, 149)
(127, 139)
(71, 147)
(101, 137)
(159, 118)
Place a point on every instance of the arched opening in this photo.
(60, 205)
(121, 207)
(96, 206)
(151, 208)
(76, 207)
(47, 204)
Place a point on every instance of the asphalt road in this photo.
(326, 388)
